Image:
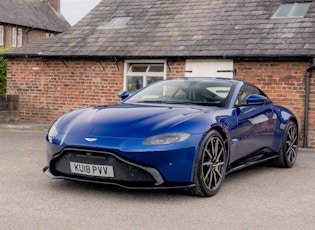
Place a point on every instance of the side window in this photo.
(245, 91)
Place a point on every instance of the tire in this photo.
(210, 166)
(289, 147)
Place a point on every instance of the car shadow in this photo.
(237, 178)
(113, 190)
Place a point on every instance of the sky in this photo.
(74, 10)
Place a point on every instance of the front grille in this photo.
(124, 171)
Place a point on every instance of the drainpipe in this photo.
(307, 75)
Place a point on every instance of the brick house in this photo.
(27, 21)
(270, 43)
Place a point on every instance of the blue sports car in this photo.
(181, 133)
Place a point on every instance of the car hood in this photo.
(133, 121)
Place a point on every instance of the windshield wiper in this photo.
(150, 101)
(179, 102)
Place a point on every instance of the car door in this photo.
(255, 126)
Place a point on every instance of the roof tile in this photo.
(32, 13)
(171, 28)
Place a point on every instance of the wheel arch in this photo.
(292, 116)
(225, 136)
(199, 188)
(295, 120)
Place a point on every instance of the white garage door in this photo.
(209, 68)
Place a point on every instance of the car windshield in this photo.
(184, 91)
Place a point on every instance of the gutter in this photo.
(308, 75)
(37, 53)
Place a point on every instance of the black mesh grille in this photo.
(123, 171)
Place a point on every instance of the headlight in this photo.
(167, 138)
(52, 133)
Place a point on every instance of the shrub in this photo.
(3, 72)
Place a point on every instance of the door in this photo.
(255, 126)
(209, 68)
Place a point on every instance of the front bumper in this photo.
(127, 174)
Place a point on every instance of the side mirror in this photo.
(255, 99)
(123, 95)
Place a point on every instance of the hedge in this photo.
(3, 72)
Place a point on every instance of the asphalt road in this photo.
(259, 197)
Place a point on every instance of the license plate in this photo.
(92, 170)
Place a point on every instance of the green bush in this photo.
(3, 72)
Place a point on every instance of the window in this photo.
(20, 37)
(245, 91)
(140, 74)
(49, 35)
(115, 23)
(13, 37)
(292, 10)
(1, 35)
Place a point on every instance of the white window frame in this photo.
(49, 35)
(128, 63)
(1, 35)
(294, 6)
(20, 37)
(13, 40)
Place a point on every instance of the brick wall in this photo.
(49, 88)
(7, 42)
(284, 83)
(9, 106)
(34, 36)
(176, 68)
(29, 35)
